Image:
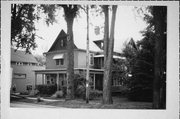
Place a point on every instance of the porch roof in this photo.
(114, 56)
(63, 70)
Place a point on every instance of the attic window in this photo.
(62, 43)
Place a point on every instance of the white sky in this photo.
(127, 25)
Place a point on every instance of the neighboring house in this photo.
(56, 64)
(23, 66)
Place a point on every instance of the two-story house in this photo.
(56, 64)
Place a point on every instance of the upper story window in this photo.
(91, 59)
(59, 61)
(59, 58)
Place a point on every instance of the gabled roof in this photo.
(61, 38)
(78, 44)
(22, 56)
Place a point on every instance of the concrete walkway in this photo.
(44, 99)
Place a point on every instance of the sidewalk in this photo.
(45, 99)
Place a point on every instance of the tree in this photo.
(70, 12)
(23, 29)
(87, 58)
(149, 61)
(107, 99)
(157, 21)
(160, 25)
(139, 57)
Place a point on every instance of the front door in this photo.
(99, 81)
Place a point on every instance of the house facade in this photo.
(56, 64)
(23, 66)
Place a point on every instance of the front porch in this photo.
(58, 77)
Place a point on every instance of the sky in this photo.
(127, 26)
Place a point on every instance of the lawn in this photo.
(118, 103)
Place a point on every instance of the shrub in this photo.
(46, 89)
(95, 94)
(80, 88)
(140, 94)
(64, 90)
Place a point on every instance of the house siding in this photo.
(51, 63)
(21, 83)
(81, 59)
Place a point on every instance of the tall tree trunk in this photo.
(70, 12)
(70, 59)
(106, 31)
(159, 14)
(107, 98)
(87, 59)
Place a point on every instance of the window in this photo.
(59, 61)
(92, 81)
(29, 87)
(91, 59)
(117, 82)
(50, 81)
(19, 76)
(62, 43)
(62, 61)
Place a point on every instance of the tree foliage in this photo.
(146, 59)
(23, 18)
(140, 69)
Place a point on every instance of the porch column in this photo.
(35, 80)
(57, 81)
(94, 81)
(42, 79)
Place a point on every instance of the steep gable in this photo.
(60, 43)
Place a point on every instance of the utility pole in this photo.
(87, 58)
